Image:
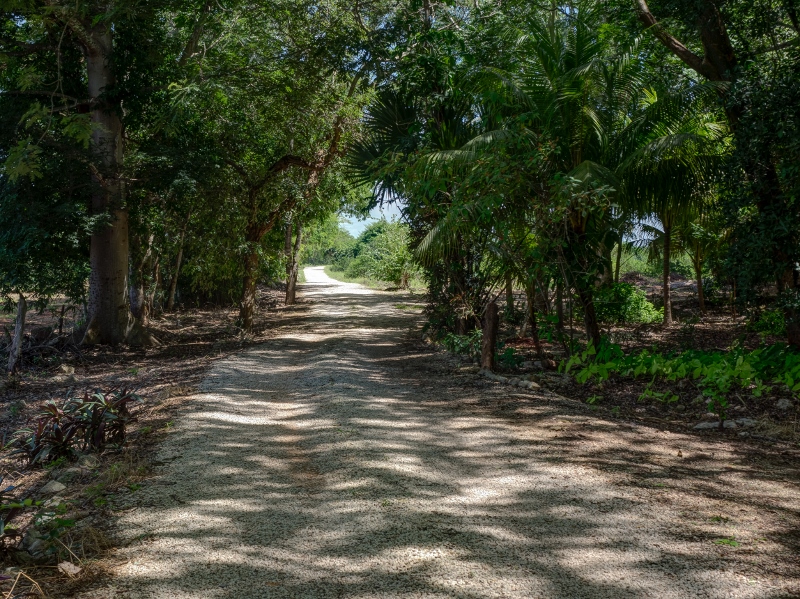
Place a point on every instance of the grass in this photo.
(417, 285)
(410, 307)
(635, 260)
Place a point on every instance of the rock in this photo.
(746, 422)
(53, 502)
(784, 403)
(52, 488)
(88, 461)
(527, 365)
(70, 474)
(708, 425)
(23, 557)
(66, 369)
(33, 542)
(69, 569)
(538, 364)
(744, 434)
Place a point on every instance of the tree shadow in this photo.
(334, 462)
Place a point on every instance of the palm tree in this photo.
(678, 153)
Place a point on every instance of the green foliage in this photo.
(637, 260)
(716, 374)
(509, 359)
(381, 253)
(327, 242)
(769, 322)
(624, 303)
(464, 344)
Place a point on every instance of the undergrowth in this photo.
(716, 374)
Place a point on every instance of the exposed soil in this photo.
(343, 458)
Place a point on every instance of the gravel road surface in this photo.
(343, 459)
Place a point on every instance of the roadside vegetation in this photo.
(617, 180)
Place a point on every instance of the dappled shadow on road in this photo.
(331, 463)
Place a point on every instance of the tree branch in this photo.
(197, 31)
(692, 60)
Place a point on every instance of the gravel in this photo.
(337, 461)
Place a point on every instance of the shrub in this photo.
(469, 344)
(716, 373)
(509, 358)
(87, 423)
(769, 322)
(624, 303)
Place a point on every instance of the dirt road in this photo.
(343, 460)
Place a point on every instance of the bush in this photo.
(769, 322)
(381, 253)
(464, 344)
(79, 423)
(718, 374)
(624, 303)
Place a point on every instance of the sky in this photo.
(355, 227)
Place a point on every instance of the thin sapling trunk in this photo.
(19, 328)
(667, 294)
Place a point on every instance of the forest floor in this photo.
(345, 458)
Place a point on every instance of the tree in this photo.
(764, 29)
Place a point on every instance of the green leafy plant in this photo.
(624, 303)
(469, 344)
(716, 374)
(104, 417)
(87, 423)
(51, 437)
(509, 358)
(769, 322)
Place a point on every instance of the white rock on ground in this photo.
(329, 462)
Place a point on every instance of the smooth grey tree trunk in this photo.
(109, 317)
(173, 283)
(294, 266)
(19, 329)
(509, 294)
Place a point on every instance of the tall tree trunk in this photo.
(589, 315)
(173, 282)
(247, 308)
(510, 294)
(294, 266)
(19, 329)
(151, 293)
(248, 304)
(618, 262)
(489, 343)
(138, 280)
(109, 317)
(698, 273)
(666, 290)
(560, 306)
(530, 291)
